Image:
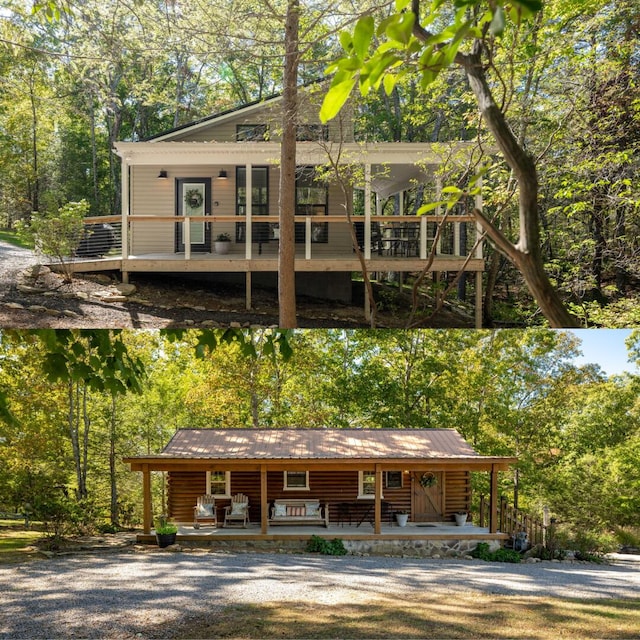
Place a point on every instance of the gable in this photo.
(223, 127)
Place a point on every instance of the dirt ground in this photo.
(91, 301)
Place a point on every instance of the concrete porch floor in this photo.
(413, 530)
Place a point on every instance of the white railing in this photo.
(402, 237)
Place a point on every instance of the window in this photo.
(296, 480)
(312, 199)
(393, 479)
(312, 132)
(366, 484)
(219, 483)
(252, 132)
(261, 231)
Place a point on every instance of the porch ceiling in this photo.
(395, 165)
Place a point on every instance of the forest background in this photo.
(74, 403)
(567, 81)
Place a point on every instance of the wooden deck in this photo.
(236, 262)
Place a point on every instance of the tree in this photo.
(407, 42)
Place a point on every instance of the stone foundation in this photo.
(402, 548)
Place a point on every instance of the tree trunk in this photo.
(526, 254)
(287, 205)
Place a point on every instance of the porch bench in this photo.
(290, 511)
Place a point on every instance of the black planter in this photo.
(165, 539)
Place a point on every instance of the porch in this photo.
(424, 539)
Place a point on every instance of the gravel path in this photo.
(128, 595)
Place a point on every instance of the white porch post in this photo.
(367, 212)
(186, 233)
(248, 211)
(124, 205)
(423, 238)
(307, 238)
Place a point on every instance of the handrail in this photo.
(513, 521)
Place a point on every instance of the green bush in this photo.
(333, 547)
(483, 552)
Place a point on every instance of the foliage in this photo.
(58, 234)
(333, 547)
(483, 552)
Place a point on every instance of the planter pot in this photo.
(402, 519)
(222, 247)
(461, 519)
(165, 539)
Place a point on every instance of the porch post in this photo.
(264, 505)
(478, 299)
(378, 504)
(367, 212)
(124, 231)
(146, 499)
(479, 252)
(493, 501)
(248, 212)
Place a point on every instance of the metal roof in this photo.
(318, 444)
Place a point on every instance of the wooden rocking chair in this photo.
(238, 511)
(205, 510)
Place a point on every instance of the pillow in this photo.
(313, 509)
(205, 510)
(238, 508)
(280, 510)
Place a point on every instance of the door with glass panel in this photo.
(193, 199)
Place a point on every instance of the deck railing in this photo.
(401, 236)
(513, 521)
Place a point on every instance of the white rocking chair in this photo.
(205, 510)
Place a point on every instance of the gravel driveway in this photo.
(128, 595)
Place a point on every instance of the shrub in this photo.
(333, 547)
(483, 552)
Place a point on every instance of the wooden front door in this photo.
(193, 198)
(427, 502)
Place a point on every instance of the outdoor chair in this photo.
(238, 511)
(205, 511)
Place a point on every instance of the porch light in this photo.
(162, 175)
(222, 175)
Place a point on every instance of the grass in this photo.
(16, 541)
(434, 616)
(12, 238)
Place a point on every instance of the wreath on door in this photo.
(193, 199)
(428, 480)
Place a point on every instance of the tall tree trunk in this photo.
(115, 516)
(526, 254)
(287, 205)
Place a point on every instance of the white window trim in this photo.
(227, 485)
(361, 494)
(286, 488)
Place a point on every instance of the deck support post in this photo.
(146, 499)
(377, 512)
(247, 302)
(264, 504)
(493, 501)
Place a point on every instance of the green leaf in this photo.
(346, 41)
(336, 97)
(452, 190)
(498, 22)
(530, 5)
(400, 29)
(389, 82)
(430, 206)
(362, 35)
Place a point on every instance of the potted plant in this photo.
(165, 532)
(402, 517)
(222, 243)
(461, 518)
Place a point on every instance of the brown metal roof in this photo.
(317, 444)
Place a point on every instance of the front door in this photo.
(426, 497)
(193, 198)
